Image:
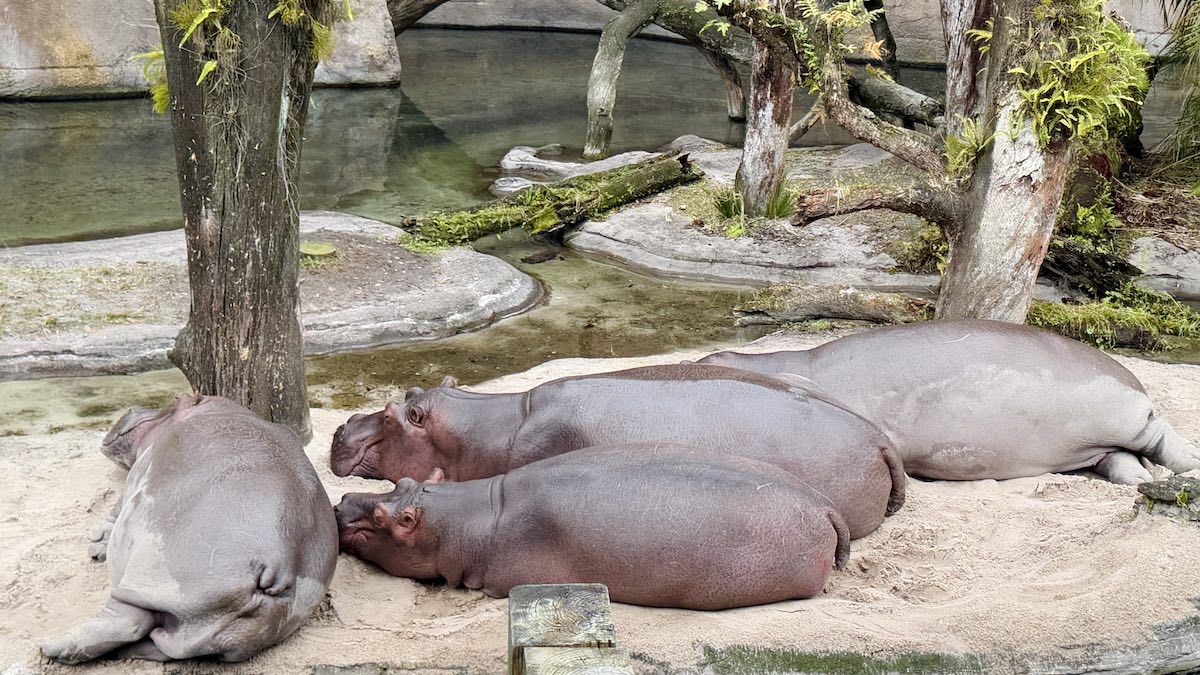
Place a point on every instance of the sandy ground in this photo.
(1050, 565)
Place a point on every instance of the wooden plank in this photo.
(557, 615)
(576, 661)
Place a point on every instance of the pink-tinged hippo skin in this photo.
(725, 410)
(975, 399)
(661, 525)
(223, 543)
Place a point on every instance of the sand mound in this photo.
(1057, 568)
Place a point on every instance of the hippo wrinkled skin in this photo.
(975, 399)
(471, 435)
(661, 525)
(223, 543)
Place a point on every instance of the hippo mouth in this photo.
(343, 466)
(355, 535)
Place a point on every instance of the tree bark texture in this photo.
(606, 69)
(933, 204)
(764, 152)
(882, 96)
(237, 145)
(964, 95)
(1010, 211)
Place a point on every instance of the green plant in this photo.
(1183, 498)
(781, 205)
(925, 252)
(964, 149)
(155, 71)
(1081, 75)
(728, 202)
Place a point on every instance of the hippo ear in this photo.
(436, 476)
(409, 518)
(413, 391)
(449, 382)
(415, 415)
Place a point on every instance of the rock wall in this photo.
(81, 48)
(916, 23)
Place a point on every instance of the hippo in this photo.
(973, 398)
(662, 525)
(223, 543)
(472, 435)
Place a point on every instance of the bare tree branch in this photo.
(924, 200)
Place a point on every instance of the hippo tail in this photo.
(895, 467)
(842, 552)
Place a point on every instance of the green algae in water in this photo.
(750, 660)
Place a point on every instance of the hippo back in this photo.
(222, 511)
(665, 525)
(726, 411)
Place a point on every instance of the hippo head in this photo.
(389, 529)
(125, 439)
(396, 442)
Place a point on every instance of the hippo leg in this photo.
(98, 549)
(895, 467)
(1164, 446)
(1123, 468)
(117, 624)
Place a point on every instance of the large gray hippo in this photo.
(471, 435)
(976, 399)
(224, 541)
(661, 525)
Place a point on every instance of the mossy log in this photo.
(791, 304)
(545, 208)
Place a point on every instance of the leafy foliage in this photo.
(1082, 75)
(155, 71)
(1131, 315)
(962, 150)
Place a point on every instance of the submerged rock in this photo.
(115, 306)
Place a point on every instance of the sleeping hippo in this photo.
(986, 399)
(223, 543)
(662, 525)
(472, 435)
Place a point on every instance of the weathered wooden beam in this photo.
(545, 208)
(570, 616)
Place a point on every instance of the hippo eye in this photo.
(415, 415)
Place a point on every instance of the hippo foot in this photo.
(1123, 468)
(98, 549)
(117, 625)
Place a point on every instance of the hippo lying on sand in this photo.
(641, 519)
(725, 410)
(224, 542)
(986, 399)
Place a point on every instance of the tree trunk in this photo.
(237, 145)
(735, 92)
(963, 86)
(764, 152)
(407, 12)
(606, 68)
(883, 33)
(1009, 216)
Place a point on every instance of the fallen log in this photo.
(546, 208)
(792, 304)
